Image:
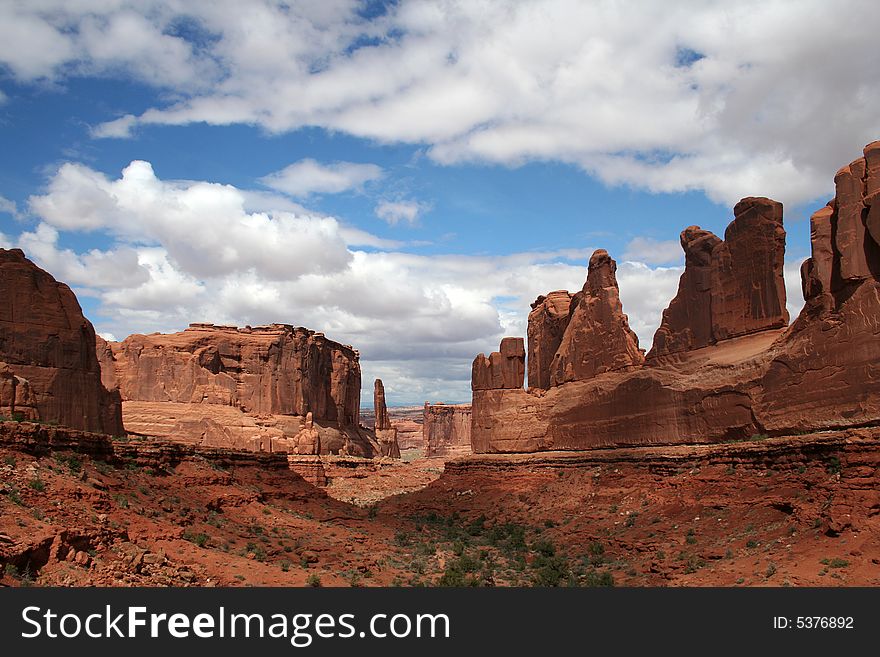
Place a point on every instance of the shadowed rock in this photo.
(49, 370)
(547, 323)
(729, 287)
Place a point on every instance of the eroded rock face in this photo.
(748, 288)
(16, 397)
(738, 373)
(504, 368)
(379, 406)
(386, 435)
(275, 369)
(249, 388)
(826, 373)
(447, 429)
(48, 366)
(597, 338)
(729, 288)
(547, 323)
(687, 321)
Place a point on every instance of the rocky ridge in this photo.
(724, 366)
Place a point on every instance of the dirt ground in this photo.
(756, 517)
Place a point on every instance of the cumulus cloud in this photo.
(117, 268)
(310, 177)
(757, 98)
(654, 252)
(5, 242)
(204, 226)
(394, 212)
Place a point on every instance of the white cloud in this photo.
(394, 212)
(310, 177)
(502, 82)
(121, 128)
(5, 243)
(9, 207)
(117, 268)
(652, 251)
(204, 226)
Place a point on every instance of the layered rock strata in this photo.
(724, 366)
(730, 287)
(447, 429)
(275, 388)
(547, 323)
(49, 369)
(597, 338)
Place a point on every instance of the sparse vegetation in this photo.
(833, 466)
(201, 539)
(836, 562)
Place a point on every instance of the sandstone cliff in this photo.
(729, 288)
(724, 366)
(49, 370)
(547, 323)
(447, 429)
(254, 388)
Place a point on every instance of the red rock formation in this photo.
(16, 397)
(826, 373)
(547, 323)
(447, 429)
(379, 407)
(598, 338)
(687, 322)
(308, 439)
(823, 372)
(729, 288)
(275, 369)
(249, 388)
(386, 435)
(48, 367)
(748, 288)
(502, 369)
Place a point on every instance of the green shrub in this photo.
(200, 539)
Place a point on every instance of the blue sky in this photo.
(408, 177)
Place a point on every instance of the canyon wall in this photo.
(49, 368)
(447, 429)
(264, 388)
(724, 366)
